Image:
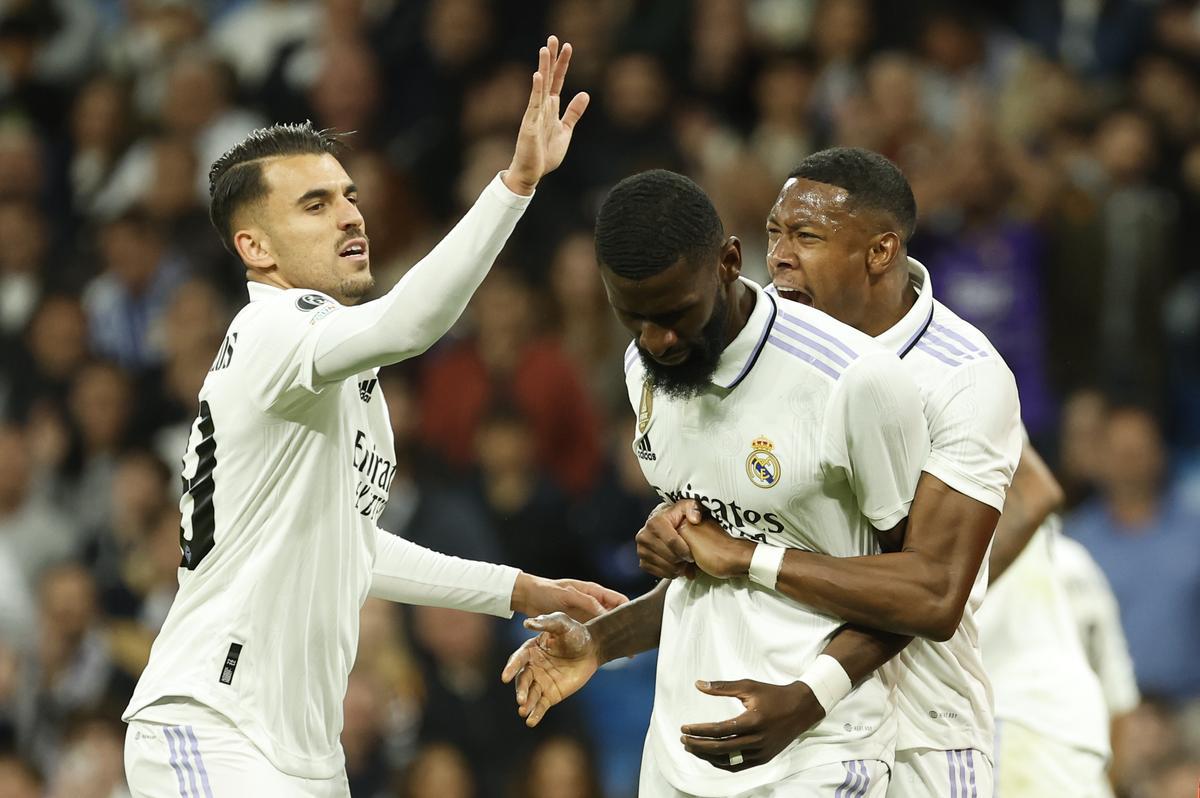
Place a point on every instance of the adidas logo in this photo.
(365, 388)
(642, 449)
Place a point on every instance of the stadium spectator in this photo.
(126, 302)
(1145, 542)
(36, 533)
(71, 670)
(23, 262)
(507, 360)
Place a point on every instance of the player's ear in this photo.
(731, 260)
(885, 248)
(254, 247)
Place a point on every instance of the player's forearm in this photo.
(423, 306)
(1032, 497)
(631, 628)
(410, 574)
(902, 593)
(861, 651)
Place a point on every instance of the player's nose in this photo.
(781, 256)
(349, 216)
(657, 340)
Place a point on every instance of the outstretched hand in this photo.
(536, 595)
(552, 666)
(544, 137)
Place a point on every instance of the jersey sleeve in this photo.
(427, 301)
(277, 344)
(877, 434)
(975, 431)
(411, 574)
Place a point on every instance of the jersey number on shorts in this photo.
(200, 487)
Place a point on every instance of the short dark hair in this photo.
(649, 221)
(871, 180)
(236, 178)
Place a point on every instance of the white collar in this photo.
(741, 354)
(904, 334)
(260, 291)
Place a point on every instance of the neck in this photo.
(891, 298)
(742, 300)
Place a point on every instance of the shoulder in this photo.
(823, 343)
(286, 312)
(953, 342)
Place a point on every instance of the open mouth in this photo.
(795, 295)
(355, 249)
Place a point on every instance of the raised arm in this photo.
(421, 308)
(1032, 497)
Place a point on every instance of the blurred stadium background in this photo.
(1054, 148)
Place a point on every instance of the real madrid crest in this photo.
(762, 466)
(647, 406)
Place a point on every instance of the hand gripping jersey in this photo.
(810, 435)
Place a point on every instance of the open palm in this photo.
(545, 136)
(552, 666)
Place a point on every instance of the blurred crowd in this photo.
(1054, 149)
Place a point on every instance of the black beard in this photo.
(689, 379)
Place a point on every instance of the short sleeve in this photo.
(975, 431)
(879, 436)
(280, 341)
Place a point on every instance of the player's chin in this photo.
(356, 285)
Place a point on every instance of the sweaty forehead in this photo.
(803, 197)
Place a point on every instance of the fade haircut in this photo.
(649, 221)
(236, 178)
(871, 180)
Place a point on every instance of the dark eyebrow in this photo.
(324, 193)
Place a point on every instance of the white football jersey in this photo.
(283, 482)
(1033, 654)
(971, 405)
(284, 477)
(1098, 621)
(810, 435)
(974, 416)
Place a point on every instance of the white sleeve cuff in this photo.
(504, 194)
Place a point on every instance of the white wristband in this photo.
(765, 564)
(828, 681)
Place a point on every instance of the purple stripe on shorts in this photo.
(811, 344)
(183, 760)
(818, 332)
(175, 762)
(866, 774)
(949, 333)
(199, 762)
(806, 357)
(924, 347)
(961, 756)
(953, 775)
(846, 783)
(971, 767)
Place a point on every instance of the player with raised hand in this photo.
(290, 460)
